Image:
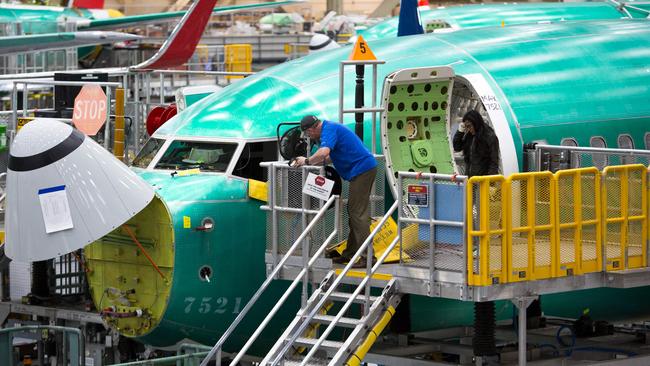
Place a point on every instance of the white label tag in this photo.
(55, 209)
(318, 186)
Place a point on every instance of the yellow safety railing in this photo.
(238, 57)
(625, 207)
(540, 225)
(487, 209)
(530, 229)
(296, 49)
(579, 221)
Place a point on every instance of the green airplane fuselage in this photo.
(496, 15)
(31, 19)
(41, 19)
(551, 81)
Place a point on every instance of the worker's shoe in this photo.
(363, 263)
(340, 260)
(332, 254)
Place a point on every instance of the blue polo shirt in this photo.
(349, 155)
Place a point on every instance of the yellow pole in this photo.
(470, 228)
(362, 350)
(483, 252)
(118, 144)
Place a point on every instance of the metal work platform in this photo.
(447, 284)
(51, 313)
(521, 260)
(483, 239)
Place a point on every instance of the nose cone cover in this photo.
(321, 42)
(64, 191)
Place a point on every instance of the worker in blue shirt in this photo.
(355, 164)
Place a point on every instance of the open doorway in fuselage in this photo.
(464, 98)
(423, 109)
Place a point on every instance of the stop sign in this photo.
(89, 109)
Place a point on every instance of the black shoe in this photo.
(363, 263)
(332, 254)
(340, 260)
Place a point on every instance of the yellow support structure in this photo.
(118, 143)
(530, 227)
(238, 57)
(625, 216)
(487, 210)
(579, 218)
(362, 350)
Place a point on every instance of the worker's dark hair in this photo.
(474, 118)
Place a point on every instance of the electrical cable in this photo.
(558, 336)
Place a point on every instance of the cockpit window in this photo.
(248, 165)
(207, 156)
(148, 152)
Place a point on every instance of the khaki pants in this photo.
(358, 211)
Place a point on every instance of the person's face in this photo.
(314, 131)
(470, 127)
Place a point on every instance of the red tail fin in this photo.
(180, 45)
(88, 4)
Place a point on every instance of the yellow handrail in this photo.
(534, 222)
(625, 206)
(579, 191)
(539, 225)
(487, 264)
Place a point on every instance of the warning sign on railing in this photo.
(318, 186)
(418, 195)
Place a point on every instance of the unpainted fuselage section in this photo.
(532, 83)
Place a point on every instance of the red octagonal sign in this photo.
(89, 109)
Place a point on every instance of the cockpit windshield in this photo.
(148, 152)
(207, 156)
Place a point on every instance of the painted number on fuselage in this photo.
(207, 304)
(490, 102)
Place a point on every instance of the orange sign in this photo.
(89, 112)
(361, 51)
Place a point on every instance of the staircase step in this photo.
(344, 296)
(310, 342)
(343, 322)
(297, 361)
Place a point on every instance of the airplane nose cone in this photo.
(65, 191)
(321, 42)
(39, 136)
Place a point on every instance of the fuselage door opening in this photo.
(415, 119)
(423, 108)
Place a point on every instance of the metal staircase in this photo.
(377, 311)
(305, 342)
(321, 351)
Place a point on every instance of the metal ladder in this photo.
(378, 310)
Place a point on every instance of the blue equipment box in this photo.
(448, 206)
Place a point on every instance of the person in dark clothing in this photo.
(479, 145)
(480, 148)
